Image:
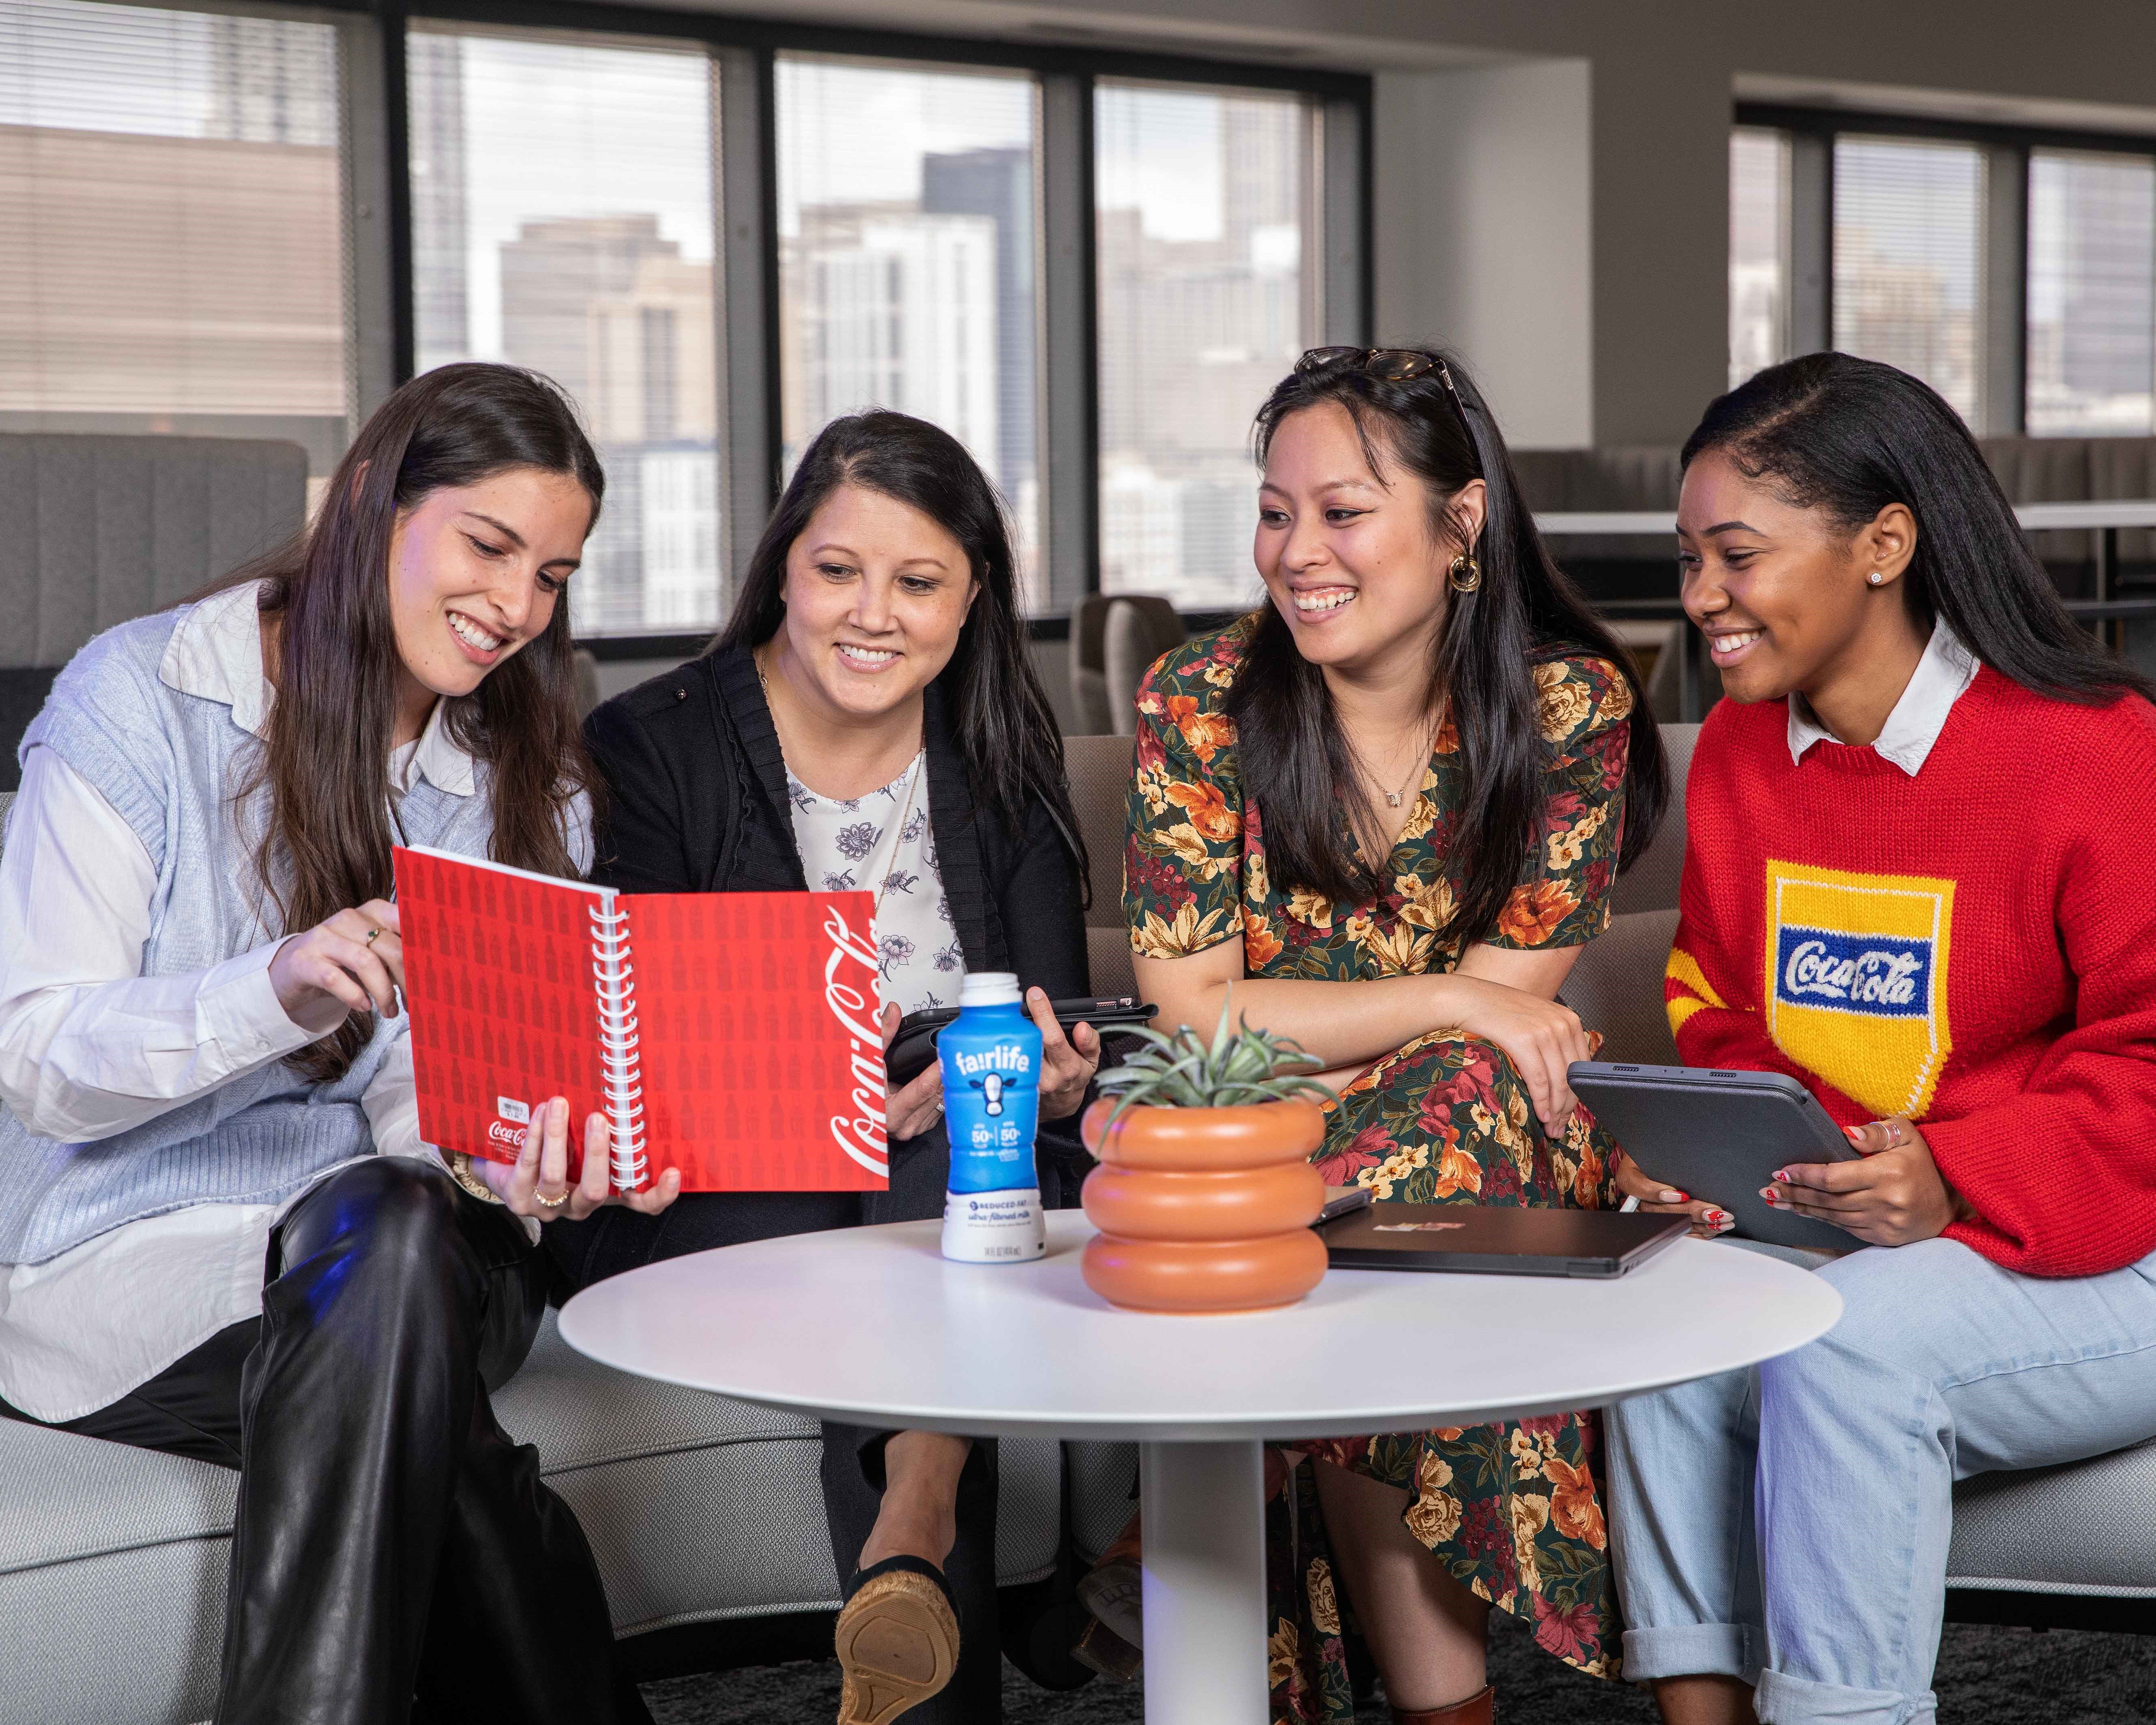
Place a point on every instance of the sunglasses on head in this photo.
(1393, 364)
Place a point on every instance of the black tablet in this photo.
(1492, 1240)
(1720, 1135)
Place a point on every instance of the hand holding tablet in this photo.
(1721, 1136)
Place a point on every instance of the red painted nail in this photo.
(1782, 1174)
(1855, 1134)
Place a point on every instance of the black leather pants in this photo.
(395, 1556)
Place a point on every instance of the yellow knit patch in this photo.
(1685, 971)
(1856, 981)
(1681, 1009)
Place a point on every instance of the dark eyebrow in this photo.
(503, 528)
(1728, 527)
(828, 548)
(1333, 484)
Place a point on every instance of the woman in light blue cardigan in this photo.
(220, 1232)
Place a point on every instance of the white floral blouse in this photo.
(861, 844)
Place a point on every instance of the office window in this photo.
(2091, 306)
(1758, 250)
(562, 216)
(1908, 260)
(172, 238)
(908, 256)
(1209, 289)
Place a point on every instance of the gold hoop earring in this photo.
(1465, 574)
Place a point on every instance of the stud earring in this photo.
(1877, 578)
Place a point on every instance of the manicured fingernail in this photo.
(1782, 1175)
(1720, 1216)
(1671, 1195)
(1855, 1134)
(1767, 1193)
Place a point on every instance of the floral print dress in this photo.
(1514, 1511)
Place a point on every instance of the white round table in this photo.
(871, 1327)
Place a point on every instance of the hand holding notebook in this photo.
(731, 1037)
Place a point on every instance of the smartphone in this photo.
(914, 1047)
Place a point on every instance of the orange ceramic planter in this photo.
(1204, 1140)
(1204, 1210)
(1203, 1275)
(1140, 1204)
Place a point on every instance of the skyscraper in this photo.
(551, 274)
(998, 184)
(898, 311)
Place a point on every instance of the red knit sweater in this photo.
(1974, 947)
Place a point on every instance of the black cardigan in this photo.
(695, 801)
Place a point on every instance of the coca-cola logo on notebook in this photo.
(852, 1002)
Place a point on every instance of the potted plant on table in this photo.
(1205, 1194)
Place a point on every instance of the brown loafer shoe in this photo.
(897, 1640)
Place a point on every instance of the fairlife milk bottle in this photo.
(991, 1060)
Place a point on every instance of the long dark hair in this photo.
(1850, 436)
(1290, 743)
(325, 760)
(1007, 731)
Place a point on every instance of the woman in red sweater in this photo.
(1913, 883)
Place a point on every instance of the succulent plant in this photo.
(1181, 1071)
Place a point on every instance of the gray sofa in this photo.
(101, 529)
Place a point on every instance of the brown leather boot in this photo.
(1476, 1710)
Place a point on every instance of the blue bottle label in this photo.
(990, 1062)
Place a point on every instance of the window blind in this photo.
(175, 254)
(562, 219)
(1758, 250)
(908, 259)
(2092, 307)
(1206, 215)
(1908, 260)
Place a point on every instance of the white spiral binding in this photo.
(621, 1065)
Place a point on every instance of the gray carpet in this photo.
(1986, 1676)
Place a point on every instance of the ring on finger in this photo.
(546, 1202)
(372, 935)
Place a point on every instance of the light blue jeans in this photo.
(1788, 1525)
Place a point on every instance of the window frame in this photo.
(2004, 265)
(746, 52)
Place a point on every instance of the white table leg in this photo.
(1205, 1582)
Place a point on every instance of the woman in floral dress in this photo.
(1387, 809)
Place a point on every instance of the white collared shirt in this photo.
(89, 1047)
(1942, 677)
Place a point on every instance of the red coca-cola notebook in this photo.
(731, 1035)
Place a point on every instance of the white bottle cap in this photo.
(988, 988)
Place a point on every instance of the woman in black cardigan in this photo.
(869, 718)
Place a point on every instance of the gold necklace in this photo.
(1393, 799)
